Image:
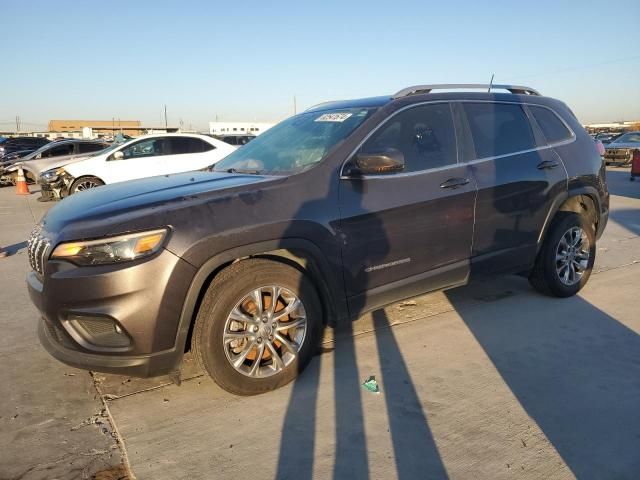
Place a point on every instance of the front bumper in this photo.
(143, 298)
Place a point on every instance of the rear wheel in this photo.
(85, 183)
(565, 261)
(257, 327)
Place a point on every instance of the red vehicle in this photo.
(635, 165)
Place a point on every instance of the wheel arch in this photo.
(583, 200)
(298, 253)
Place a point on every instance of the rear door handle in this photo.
(547, 165)
(454, 183)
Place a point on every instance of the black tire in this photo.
(85, 183)
(225, 291)
(544, 277)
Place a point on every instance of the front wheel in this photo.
(565, 261)
(85, 183)
(257, 327)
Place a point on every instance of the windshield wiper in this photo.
(239, 170)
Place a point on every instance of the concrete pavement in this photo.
(487, 381)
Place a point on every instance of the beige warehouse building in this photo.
(98, 126)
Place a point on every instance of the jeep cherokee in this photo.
(339, 210)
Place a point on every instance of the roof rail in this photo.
(415, 89)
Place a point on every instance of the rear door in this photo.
(518, 178)
(187, 153)
(408, 232)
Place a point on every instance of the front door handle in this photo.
(454, 183)
(547, 165)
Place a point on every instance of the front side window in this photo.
(425, 135)
(146, 148)
(90, 147)
(498, 128)
(552, 127)
(58, 151)
(295, 144)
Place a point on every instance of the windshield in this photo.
(628, 137)
(295, 144)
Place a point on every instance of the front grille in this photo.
(618, 154)
(38, 249)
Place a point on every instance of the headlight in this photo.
(122, 248)
(52, 175)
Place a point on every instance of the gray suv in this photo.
(339, 210)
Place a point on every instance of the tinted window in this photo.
(90, 147)
(498, 128)
(425, 136)
(146, 148)
(552, 127)
(58, 150)
(180, 145)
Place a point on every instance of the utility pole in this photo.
(165, 118)
(295, 109)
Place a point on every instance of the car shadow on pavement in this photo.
(576, 372)
(416, 454)
(15, 248)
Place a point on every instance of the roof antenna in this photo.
(490, 83)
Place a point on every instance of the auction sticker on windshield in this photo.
(333, 117)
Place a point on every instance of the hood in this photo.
(613, 145)
(98, 211)
(40, 165)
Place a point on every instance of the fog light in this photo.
(96, 333)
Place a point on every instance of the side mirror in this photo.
(117, 155)
(379, 163)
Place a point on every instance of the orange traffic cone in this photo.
(21, 184)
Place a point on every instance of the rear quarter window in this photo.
(552, 127)
(498, 128)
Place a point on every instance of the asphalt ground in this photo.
(491, 380)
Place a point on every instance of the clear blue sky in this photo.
(245, 60)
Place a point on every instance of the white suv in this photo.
(147, 156)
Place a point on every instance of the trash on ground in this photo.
(371, 384)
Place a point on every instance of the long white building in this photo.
(238, 128)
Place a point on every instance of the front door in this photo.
(140, 159)
(408, 232)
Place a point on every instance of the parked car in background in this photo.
(146, 156)
(15, 144)
(44, 158)
(237, 140)
(607, 137)
(341, 209)
(620, 151)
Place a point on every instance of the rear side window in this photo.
(498, 128)
(552, 127)
(181, 145)
(425, 136)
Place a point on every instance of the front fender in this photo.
(329, 283)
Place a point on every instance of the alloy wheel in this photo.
(265, 331)
(572, 256)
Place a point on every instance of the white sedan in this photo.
(147, 156)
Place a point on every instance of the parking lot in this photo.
(491, 380)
